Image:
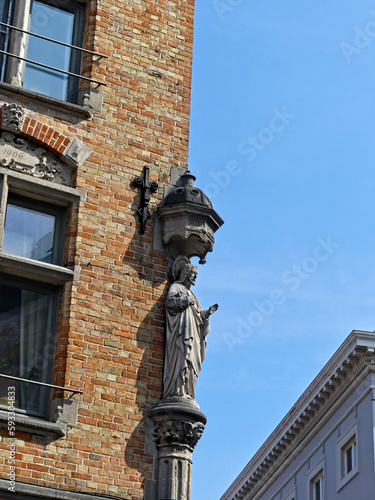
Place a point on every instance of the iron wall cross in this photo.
(147, 189)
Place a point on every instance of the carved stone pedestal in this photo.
(178, 426)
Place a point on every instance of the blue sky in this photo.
(283, 141)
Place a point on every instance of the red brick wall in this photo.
(111, 321)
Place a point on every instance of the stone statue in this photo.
(187, 326)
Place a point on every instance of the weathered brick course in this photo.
(111, 320)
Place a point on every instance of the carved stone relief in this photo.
(178, 432)
(76, 152)
(187, 220)
(23, 156)
(13, 116)
(184, 227)
(178, 426)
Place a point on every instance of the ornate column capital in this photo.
(178, 423)
(178, 426)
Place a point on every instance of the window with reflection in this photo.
(347, 456)
(32, 279)
(317, 487)
(56, 23)
(27, 342)
(5, 17)
(350, 456)
(60, 21)
(33, 230)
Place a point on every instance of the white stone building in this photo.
(324, 448)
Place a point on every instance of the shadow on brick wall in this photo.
(146, 312)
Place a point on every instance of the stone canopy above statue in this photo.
(188, 220)
(186, 192)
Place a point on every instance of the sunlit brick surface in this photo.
(111, 320)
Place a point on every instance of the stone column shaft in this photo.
(174, 473)
(178, 425)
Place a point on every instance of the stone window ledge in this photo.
(41, 189)
(31, 269)
(31, 492)
(34, 425)
(51, 102)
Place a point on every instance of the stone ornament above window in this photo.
(21, 155)
(76, 152)
(13, 117)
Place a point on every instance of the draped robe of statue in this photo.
(187, 326)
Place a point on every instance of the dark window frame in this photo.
(4, 32)
(60, 222)
(317, 482)
(53, 294)
(316, 476)
(35, 275)
(349, 440)
(8, 67)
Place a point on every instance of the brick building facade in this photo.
(91, 290)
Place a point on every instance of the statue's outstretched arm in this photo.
(207, 312)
